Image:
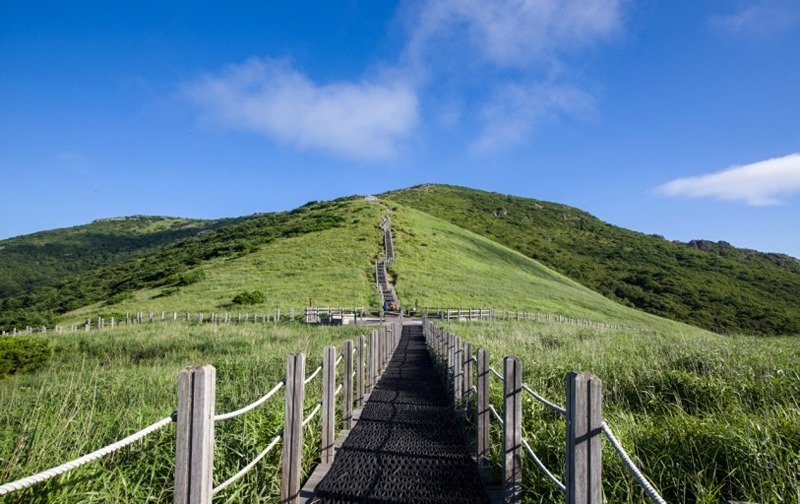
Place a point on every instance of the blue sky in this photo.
(677, 118)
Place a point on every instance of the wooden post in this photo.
(466, 391)
(360, 372)
(328, 403)
(458, 374)
(370, 363)
(293, 428)
(483, 414)
(194, 446)
(512, 430)
(584, 418)
(347, 397)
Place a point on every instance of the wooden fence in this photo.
(467, 376)
(491, 314)
(274, 316)
(364, 362)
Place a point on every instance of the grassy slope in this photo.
(708, 418)
(439, 265)
(716, 287)
(101, 386)
(333, 267)
(33, 261)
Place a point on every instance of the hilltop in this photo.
(710, 285)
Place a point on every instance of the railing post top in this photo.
(198, 368)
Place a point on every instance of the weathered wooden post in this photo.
(194, 444)
(370, 362)
(293, 428)
(483, 405)
(512, 430)
(347, 396)
(466, 391)
(584, 419)
(458, 375)
(328, 403)
(360, 372)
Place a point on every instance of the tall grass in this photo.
(102, 386)
(708, 418)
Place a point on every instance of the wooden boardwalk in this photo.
(407, 446)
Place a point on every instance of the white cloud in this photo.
(508, 59)
(758, 184)
(515, 111)
(362, 120)
(759, 18)
(511, 32)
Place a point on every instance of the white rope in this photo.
(339, 389)
(246, 468)
(497, 374)
(311, 415)
(543, 468)
(55, 471)
(341, 357)
(474, 359)
(496, 414)
(315, 373)
(543, 400)
(635, 472)
(249, 407)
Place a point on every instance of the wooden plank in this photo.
(347, 392)
(584, 419)
(484, 415)
(293, 427)
(458, 372)
(328, 403)
(194, 446)
(467, 383)
(360, 372)
(512, 430)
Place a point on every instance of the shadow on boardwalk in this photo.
(407, 446)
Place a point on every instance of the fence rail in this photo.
(492, 314)
(583, 415)
(195, 419)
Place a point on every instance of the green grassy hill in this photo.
(46, 258)
(710, 285)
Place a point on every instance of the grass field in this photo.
(334, 267)
(706, 417)
(102, 386)
(441, 265)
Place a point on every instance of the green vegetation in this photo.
(707, 418)
(183, 264)
(249, 298)
(714, 286)
(21, 354)
(38, 260)
(102, 386)
(441, 265)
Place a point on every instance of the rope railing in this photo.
(340, 359)
(255, 404)
(56, 471)
(496, 414)
(544, 401)
(498, 375)
(313, 375)
(338, 389)
(542, 467)
(248, 467)
(312, 414)
(583, 414)
(651, 492)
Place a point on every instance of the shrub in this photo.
(249, 298)
(191, 277)
(20, 354)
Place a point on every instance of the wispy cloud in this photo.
(509, 56)
(515, 110)
(759, 18)
(361, 120)
(758, 184)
